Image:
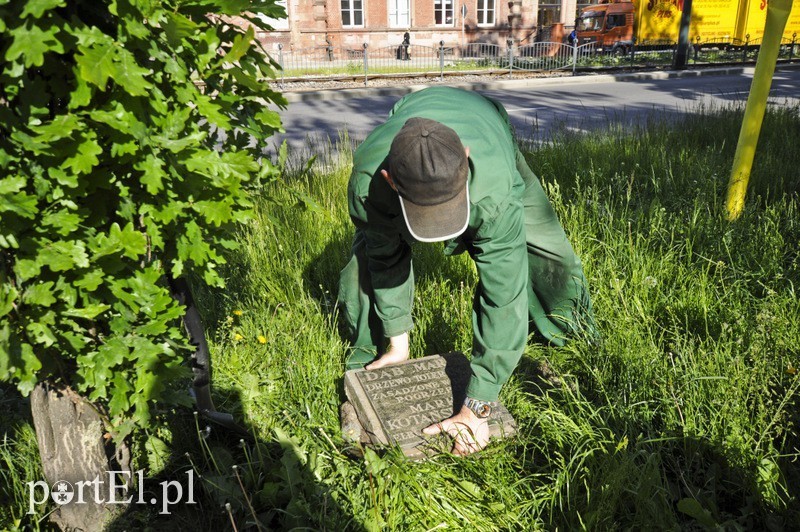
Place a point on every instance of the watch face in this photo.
(479, 408)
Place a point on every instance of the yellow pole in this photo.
(777, 15)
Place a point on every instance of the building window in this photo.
(352, 13)
(485, 12)
(549, 13)
(399, 13)
(443, 12)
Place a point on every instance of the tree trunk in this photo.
(73, 449)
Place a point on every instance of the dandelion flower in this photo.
(237, 312)
(261, 339)
(237, 337)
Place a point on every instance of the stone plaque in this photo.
(395, 403)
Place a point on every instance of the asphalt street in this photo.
(315, 122)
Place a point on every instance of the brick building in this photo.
(379, 23)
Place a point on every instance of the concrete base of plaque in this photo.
(393, 404)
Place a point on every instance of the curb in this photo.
(402, 90)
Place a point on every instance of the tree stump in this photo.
(70, 432)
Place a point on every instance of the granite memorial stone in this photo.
(393, 404)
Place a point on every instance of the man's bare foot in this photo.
(388, 359)
(398, 352)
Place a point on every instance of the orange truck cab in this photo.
(609, 25)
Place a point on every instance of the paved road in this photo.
(535, 107)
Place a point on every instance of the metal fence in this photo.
(735, 50)
(363, 61)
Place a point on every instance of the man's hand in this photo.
(398, 352)
(470, 433)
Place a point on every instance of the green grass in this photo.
(19, 461)
(685, 416)
(380, 67)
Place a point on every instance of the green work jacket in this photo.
(495, 236)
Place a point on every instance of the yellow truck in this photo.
(616, 25)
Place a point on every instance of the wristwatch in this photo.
(482, 409)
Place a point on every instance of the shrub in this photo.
(125, 149)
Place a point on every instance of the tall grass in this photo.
(684, 416)
(19, 461)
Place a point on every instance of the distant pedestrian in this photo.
(572, 38)
(329, 47)
(406, 44)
